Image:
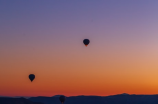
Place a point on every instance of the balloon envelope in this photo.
(31, 77)
(86, 42)
(62, 99)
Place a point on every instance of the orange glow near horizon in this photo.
(99, 75)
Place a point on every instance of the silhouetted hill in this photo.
(7, 100)
(114, 99)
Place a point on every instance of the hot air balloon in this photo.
(62, 99)
(31, 77)
(86, 42)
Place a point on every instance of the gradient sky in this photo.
(45, 37)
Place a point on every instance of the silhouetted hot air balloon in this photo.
(62, 99)
(86, 42)
(31, 77)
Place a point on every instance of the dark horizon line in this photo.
(72, 96)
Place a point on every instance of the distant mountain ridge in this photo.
(112, 99)
(81, 99)
(9, 100)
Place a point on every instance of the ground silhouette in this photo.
(114, 99)
(7, 100)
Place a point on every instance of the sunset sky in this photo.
(45, 37)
